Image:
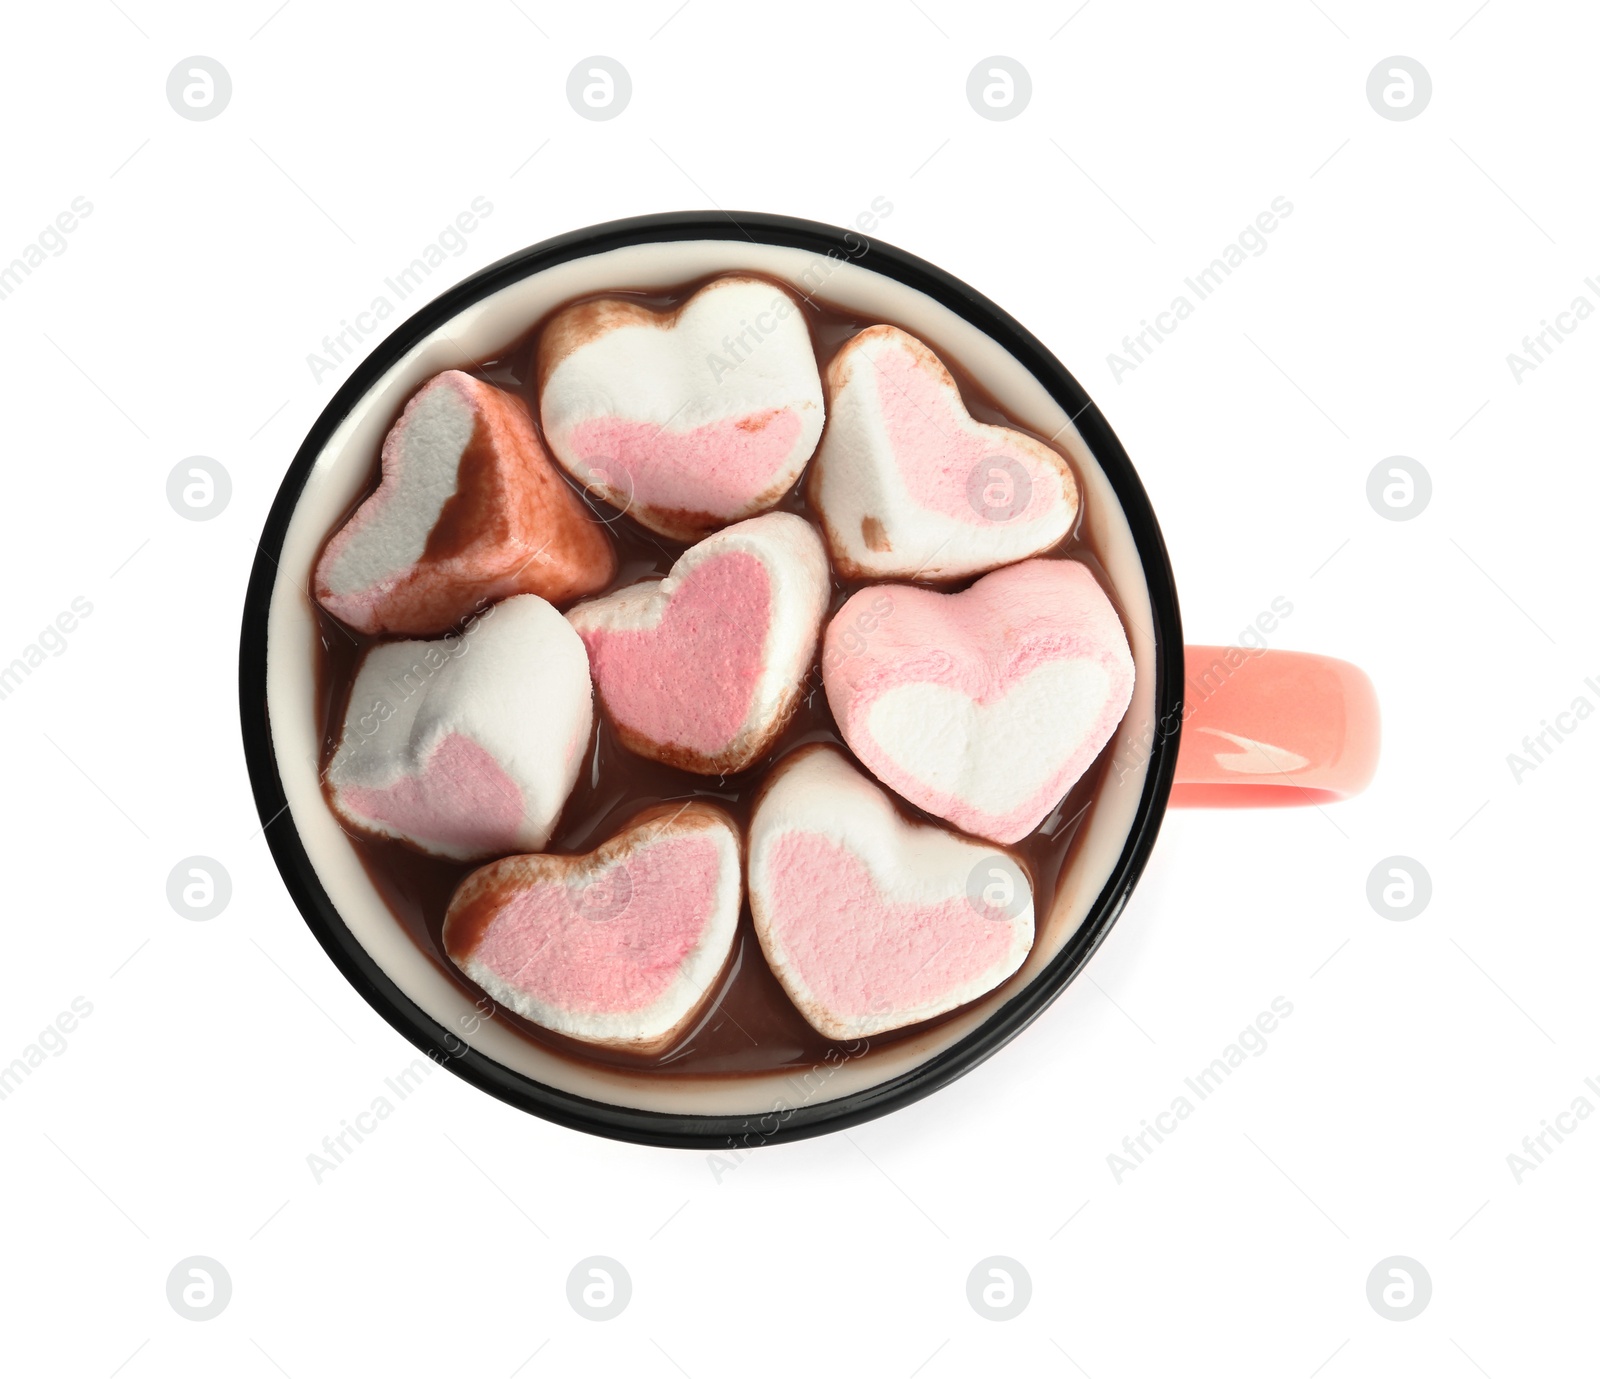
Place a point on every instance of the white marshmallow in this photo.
(685, 420)
(909, 486)
(872, 922)
(469, 745)
(985, 706)
(703, 668)
(469, 510)
(621, 946)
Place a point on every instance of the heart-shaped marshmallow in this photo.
(909, 486)
(702, 669)
(872, 922)
(469, 745)
(469, 510)
(688, 419)
(621, 946)
(983, 707)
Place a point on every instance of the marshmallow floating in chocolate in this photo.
(702, 669)
(688, 419)
(872, 922)
(909, 486)
(621, 946)
(469, 510)
(986, 706)
(469, 745)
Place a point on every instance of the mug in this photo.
(1206, 726)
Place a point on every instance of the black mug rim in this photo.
(676, 1129)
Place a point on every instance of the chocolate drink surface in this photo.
(748, 1025)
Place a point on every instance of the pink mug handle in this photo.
(1273, 728)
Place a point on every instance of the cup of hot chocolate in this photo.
(715, 680)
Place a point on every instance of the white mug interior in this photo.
(487, 328)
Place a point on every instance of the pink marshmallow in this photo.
(910, 486)
(986, 706)
(621, 946)
(702, 669)
(869, 921)
(469, 510)
(690, 419)
(469, 745)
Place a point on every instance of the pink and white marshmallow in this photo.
(986, 706)
(622, 946)
(469, 510)
(872, 922)
(702, 669)
(910, 486)
(469, 745)
(688, 419)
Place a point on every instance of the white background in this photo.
(178, 320)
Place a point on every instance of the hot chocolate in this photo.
(748, 1024)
